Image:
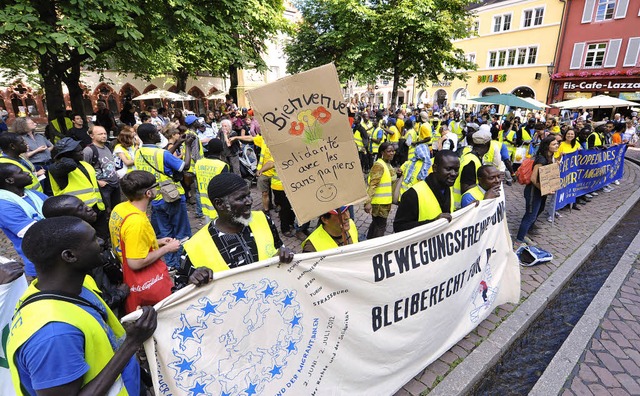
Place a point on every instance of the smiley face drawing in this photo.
(326, 192)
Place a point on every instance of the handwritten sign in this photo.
(304, 122)
(549, 178)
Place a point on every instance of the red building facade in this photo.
(598, 51)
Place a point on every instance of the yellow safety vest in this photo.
(476, 193)
(396, 134)
(597, 142)
(206, 169)
(35, 183)
(487, 159)
(428, 206)
(56, 126)
(456, 127)
(263, 150)
(321, 239)
(86, 190)
(368, 126)
(435, 133)
(457, 188)
(276, 183)
(414, 177)
(414, 138)
(155, 157)
(97, 348)
(376, 146)
(383, 193)
(203, 252)
(358, 139)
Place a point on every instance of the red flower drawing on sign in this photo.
(321, 114)
(296, 128)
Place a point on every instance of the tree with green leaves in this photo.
(147, 38)
(388, 39)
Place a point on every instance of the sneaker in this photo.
(589, 196)
(594, 194)
(528, 241)
(517, 245)
(617, 182)
(558, 215)
(575, 207)
(550, 219)
(607, 189)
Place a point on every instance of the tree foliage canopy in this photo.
(144, 37)
(389, 39)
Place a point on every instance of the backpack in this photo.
(531, 255)
(523, 174)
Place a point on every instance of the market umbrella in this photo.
(217, 95)
(536, 102)
(467, 101)
(183, 97)
(606, 102)
(158, 94)
(507, 100)
(570, 104)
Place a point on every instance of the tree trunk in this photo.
(233, 85)
(52, 84)
(72, 80)
(396, 83)
(181, 79)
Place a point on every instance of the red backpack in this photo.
(523, 174)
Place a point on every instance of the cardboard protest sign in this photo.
(304, 121)
(549, 178)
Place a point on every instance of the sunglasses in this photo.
(151, 187)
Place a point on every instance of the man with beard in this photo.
(239, 236)
(430, 199)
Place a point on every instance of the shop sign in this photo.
(633, 96)
(441, 84)
(492, 78)
(576, 95)
(598, 85)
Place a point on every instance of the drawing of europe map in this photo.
(247, 362)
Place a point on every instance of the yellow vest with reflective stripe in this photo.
(79, 186)
(428, 205)
(597, 142)
(382, 193)
(368, 126)
(488, 158)
(97, 348)
(206, 169)
(203, 252)
(35, 183)
(376, 146)
(476, 193)
(276, 183)
(58, 131)
(321, 239)
(457, 188)
(358, 139)
(456, 127)
(155, 156)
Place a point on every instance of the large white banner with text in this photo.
(363, 319)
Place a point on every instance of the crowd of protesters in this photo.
(84, 191)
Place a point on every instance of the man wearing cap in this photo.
(71, 175)
(430, 199)
(488, 187)
(238, 236)
(206, 169)
(169, 219)
(335, 228)
(470, 162)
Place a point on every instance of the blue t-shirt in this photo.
(14, 222)
(504, 152)
(54, 355)
(467, 199)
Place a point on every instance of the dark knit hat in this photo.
(224, 184)
(214, 146)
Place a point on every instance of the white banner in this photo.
(363, 319)
(10, 293)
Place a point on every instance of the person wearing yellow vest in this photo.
(238, 236)
(369, 128)
(206, 169)
(424, 132)
(58, 127)
(378, 137)
(380, 191)
(470, 162)
(361, 138)
(169, 219)
(13, 146)
(488, 187)
(432, 198)
(335, 228)
(64, 339)
(70, 175)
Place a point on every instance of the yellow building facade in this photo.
(514, 45)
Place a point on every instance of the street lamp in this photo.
(550, 69)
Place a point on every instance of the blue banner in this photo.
(588, 170)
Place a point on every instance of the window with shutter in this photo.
(621, 9)
(587, 14)
(612, 54)
(576, 57)
(633, 51)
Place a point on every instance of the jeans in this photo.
(171, 220)
(534, 206)
(111, 196)
(198, 204)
